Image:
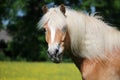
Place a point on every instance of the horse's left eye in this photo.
(44, 30)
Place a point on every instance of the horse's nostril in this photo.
(49, 54)
(56, 50)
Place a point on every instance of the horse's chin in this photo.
(57, 62)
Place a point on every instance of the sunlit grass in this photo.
(38, 71)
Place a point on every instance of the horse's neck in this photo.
(78, 61)
(81, 62)
(86, 67)
(94, 69)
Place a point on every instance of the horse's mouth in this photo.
(56, 58)
(56, 61)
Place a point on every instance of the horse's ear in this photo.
(44, 9)
(62, 8)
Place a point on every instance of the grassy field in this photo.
(38, 71)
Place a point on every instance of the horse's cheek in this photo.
(47, 38)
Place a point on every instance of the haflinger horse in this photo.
(93, 45)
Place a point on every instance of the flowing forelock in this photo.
(54, 18)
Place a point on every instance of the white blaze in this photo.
(52, 30)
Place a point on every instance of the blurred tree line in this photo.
(20, 17)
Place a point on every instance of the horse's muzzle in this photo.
(56, 57)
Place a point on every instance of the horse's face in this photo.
(55, 37)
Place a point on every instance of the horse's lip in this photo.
(57, 59)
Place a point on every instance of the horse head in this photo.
(56, 32)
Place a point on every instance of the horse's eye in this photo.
(44, 30)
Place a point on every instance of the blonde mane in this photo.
(90, 36)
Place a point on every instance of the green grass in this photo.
(38, 71)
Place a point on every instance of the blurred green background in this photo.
(20, 40)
